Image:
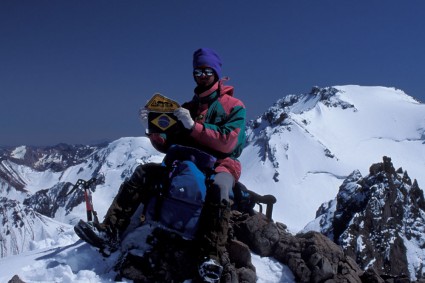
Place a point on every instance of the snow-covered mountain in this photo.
(300, 150)
(35, 181)
(304, 146)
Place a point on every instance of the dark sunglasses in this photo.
(207, 72)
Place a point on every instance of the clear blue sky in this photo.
(77, 71)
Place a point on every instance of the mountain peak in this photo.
(298, 104)
(379, 220)
(311, 142)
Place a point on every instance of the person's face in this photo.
(204, 76)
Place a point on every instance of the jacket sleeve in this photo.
(224, 137)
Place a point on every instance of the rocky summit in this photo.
(379, 221)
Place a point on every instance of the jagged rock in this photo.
(373, 218)
(260, 236)
(15, 279)
(371, 276)
(378, 224)
(240, 254)
(311, 256)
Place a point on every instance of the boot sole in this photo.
(83, 230)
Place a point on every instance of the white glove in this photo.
(143, 116)
(184, 116)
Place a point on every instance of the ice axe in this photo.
(85, 186)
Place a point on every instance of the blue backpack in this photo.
(179, 206)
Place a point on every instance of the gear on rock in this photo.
(210, 271)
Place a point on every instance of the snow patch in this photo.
(19, 152)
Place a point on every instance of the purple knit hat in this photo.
(207, 57)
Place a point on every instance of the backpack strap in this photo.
(203, 160)
(156, 197)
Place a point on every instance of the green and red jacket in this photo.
(219, 128)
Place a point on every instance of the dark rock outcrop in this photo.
(15, 279)
(312, 257)
(376, 219)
